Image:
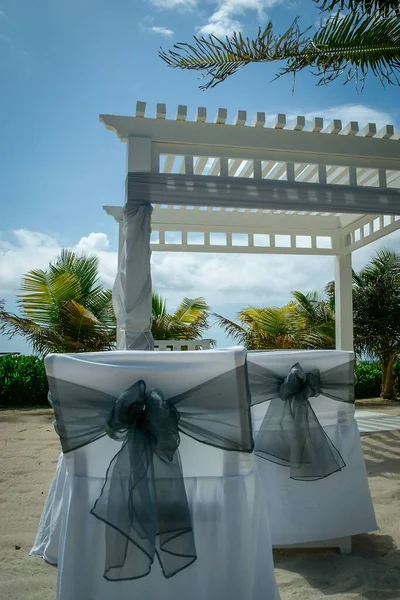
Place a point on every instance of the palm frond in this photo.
(192, 309)
(383, 7)
(348, 46)
(43, 340)
(219, 59)
(36, 301)
(352, 46)
(159, 306)
(232, 329)
(84, 267)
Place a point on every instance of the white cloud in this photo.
(3, 15)
(346, 112)
(323, 21)
(355, 112)
(228, 282)
(224, 20)
(94, 242)
(162, 31)
(34, 250)
(175, 4)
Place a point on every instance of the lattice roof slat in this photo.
(328, 159)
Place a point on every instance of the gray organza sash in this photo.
(143, 500)
(291, 434)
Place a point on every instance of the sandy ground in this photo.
(28, 455)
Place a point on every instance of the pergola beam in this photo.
(188, 137)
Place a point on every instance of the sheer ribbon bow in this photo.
(291, 434)
(143, 500)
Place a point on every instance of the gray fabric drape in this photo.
(132, 289)
(291, 434)
(143, 500)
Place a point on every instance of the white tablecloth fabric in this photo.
(337, 506)
(228, 508)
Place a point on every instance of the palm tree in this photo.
(376, 302)
(64, 309)
(307, 322)
(365, 38)
(262, 328)
(316, 316)
(188, 322)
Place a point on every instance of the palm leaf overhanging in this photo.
(349, 46)
(383, 7)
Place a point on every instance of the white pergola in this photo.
(282, 188)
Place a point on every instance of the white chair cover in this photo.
(229, 514)
(339, 505)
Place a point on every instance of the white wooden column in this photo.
(344, 301)
(117, 213)
(138, 155)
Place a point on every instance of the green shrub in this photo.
(369, 379)
(23, 381)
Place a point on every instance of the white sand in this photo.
(28, 456)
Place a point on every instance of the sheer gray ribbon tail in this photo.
(291, 434)
(143, 500)
(154, 518)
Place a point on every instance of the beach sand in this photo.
(28, 456)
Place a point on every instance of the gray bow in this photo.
(154, 516)
(143, 501)
(290, 434)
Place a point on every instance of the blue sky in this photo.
(61, 64)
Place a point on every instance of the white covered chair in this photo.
(226, 505)
(323, 511)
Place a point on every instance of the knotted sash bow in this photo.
(143, 500)
(291, 434)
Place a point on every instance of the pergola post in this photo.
(344, 301)
(132, 294)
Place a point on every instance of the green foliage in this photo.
(64, 309)
(306, 323)
(369, 379)
(188, 322)
(376, 314)
(348, 45)
(23, 381)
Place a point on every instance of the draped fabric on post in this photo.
(143, 500)
(132, 289)
(290, 434)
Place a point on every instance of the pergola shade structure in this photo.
(269, 187)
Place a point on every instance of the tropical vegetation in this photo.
(376, 313)
(66, 309)
(353, 38)
(23, 381)
(188, 322)
(306, 322)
